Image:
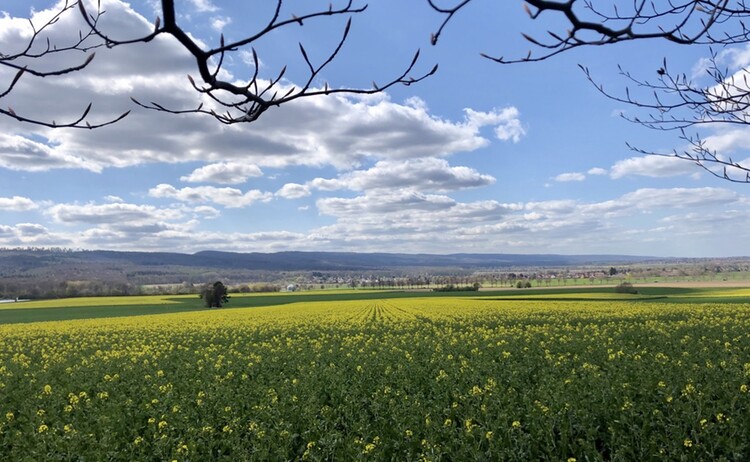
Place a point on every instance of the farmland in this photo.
(549, 375)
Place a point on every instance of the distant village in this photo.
(43, 275)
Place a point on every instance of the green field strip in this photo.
(97, 301)
(91, 312)
(379, 309)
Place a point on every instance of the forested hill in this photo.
(13, 261)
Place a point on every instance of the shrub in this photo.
(625, 288)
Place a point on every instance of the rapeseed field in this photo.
(400, 379)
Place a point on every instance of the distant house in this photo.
(291, 288)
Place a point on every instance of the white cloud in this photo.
(597, 171)
(408, 221)
(506, 121)
(416, 218)
(113, 213)
(573, 176)
(30, 234)
(395, 202)
(293, 191)
(733, 58)
(427, 174)
(439, 223)
(652, 166)
(17, 204)
(204, 6)
(651, 198)
(247, 58)
(228, 197)
(31, 229)
(726, 140)
(206, 211)
(223, 173)
(552, 206)
(20, 153)
(219, 22)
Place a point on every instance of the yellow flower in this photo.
(743, 388)
(162, 425)
(488, 435)
(138, 440)
(688, 443)
(516, 424)
(571, 459)
(47, 390)
(447, 423)
(43, 428)
(469, 425)
(689, 389)
(9, 416)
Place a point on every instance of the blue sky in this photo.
(480, 157)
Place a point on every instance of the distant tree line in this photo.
(34, 288)
(43, 288)
(451, 288)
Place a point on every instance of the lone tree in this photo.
(214, 295)
(672, 101)
(229, 102)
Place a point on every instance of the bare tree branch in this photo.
(672, 101)
(247, 102)
(33, 52)
(709, 160)
(683, 22)
(236, 102)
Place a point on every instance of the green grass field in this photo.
(106, 307)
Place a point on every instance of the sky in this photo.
(478, 158)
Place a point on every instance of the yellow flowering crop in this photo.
(393, 379)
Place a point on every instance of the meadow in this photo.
(459, 377)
